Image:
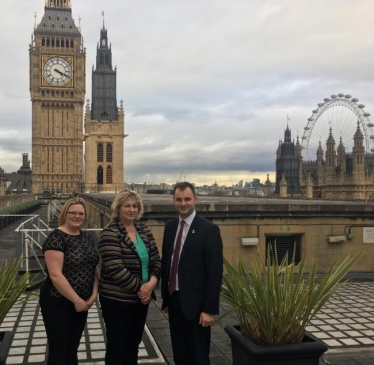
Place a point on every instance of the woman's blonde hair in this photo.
(67, 205)
(121, 198)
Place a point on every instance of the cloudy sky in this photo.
(207, 84)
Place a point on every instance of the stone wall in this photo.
(11, 200)
(316, 222)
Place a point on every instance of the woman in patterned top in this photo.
(130, 271)
(71, 286)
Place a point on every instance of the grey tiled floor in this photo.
(346, 324)
(29, 344)
(347, 321)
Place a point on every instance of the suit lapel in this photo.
(190, 237)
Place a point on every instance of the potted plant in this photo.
(12, 290)
(274, 302)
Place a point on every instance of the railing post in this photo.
(27, 254)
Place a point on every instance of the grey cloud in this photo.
(207, 84)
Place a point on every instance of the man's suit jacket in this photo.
(200, 267)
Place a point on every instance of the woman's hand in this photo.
(81, 306)
(91, 300)
(145, 292)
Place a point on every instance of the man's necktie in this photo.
(174, 264)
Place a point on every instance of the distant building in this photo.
(288, 165)
(19, 182)
(335, 174)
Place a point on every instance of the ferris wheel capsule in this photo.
(361, 106)
(355, 100)
(333, 96)
(370, 125)
(326, 99)
(347, 96)
(320, 104)
(341, 95)
(367, 114)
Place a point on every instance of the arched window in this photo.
(109, 153)
(99, 177)
(57, 42)
(107, 59)
(53, 42)
(71, 43)
(101, 59)
(43, 41)
(100, 153)
(62, 43)
(67, 43)
(48, 42)
(109, 175)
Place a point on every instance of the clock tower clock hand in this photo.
(61, 73)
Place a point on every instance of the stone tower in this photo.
(287, 166)
(358, 155)
(104, 125)
(57, 86)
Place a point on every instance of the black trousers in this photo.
(190, 340)
(124, 329)
(64, 328)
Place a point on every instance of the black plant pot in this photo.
(6, 338)
(246, 352)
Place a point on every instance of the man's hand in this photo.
(206, 319)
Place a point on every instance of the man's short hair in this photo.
(184, 185)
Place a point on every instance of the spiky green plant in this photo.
(275, 302)
(12, 287)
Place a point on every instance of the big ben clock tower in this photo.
(57, 86)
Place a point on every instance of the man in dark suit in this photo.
(192, 265)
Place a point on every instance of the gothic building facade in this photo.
(104, 125)
(335, 174)
(287, 166)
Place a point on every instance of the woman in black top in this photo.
(71, 286)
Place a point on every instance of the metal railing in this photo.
(30, 236)
(54, 209)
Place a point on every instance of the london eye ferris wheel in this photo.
(341, 114)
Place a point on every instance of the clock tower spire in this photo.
(57, 87)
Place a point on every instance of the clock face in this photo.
(57, 71)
